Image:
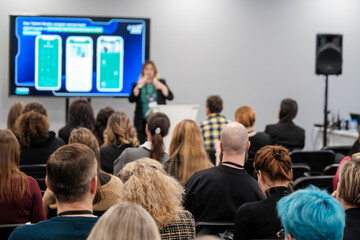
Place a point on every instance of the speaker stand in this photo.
(325, 112)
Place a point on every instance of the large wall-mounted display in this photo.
(76, 56)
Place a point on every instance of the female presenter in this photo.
(147, 92)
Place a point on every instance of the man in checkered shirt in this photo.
(212, 126)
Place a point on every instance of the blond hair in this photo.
(246, 116)
(14, 113)
(147, 184)
(120, 131)
(349, 181)
(124, 221)
(187, 152)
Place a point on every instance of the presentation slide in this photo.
(76, 56)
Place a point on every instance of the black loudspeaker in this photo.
(328, 54)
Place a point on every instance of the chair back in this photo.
(7, 229)
(317, 160)
(38, 172)
(323, 182)
(331, 169)
(212, 227)
(299, 170)
(339, 149)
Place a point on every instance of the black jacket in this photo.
(40, 149)
(259, 220)
(287, 134)
(138, 119)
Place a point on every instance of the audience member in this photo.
(71, 173)
(147, 92)
(311, 214)
(356, 146)
(285, 132)
(355, 157)
(258, 220)
(156, 129)
(147, 184)
(20, 196)
(348, 194)
(36, 141)
(80, 114)
(212, 126)
(118, 135)
(125, 221)
(216, 193)
(14, 113)
(247, 117)
(101, 122)
(109, 187)
(187, 152)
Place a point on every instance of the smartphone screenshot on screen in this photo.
(110, 54)
(47, 62)
(79, 65)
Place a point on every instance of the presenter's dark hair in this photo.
(288, 110)
(101, 122)
(158, 124)
(70, 170)
(214, 103)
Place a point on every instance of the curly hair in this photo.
(120, 131)
(147, 184)
(30, 125)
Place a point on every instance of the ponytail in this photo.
(157, 147)
(158, 124)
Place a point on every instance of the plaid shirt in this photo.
(211, 129)
(181, 229)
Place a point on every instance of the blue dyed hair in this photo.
(312, 214)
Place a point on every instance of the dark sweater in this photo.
(108, 154)
(287, 134)
(352, 219)
(40, 149)
(258, 220)
(214, 194)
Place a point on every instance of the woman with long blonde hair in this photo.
(119, 134)
(187, 152)
(20, 196)
(147, 184)
(125, 221)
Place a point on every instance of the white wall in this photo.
(251, 52)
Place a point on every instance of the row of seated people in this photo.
(115, 133)
(216, 193)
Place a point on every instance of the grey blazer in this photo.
(132, 154)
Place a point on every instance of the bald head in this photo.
(234, 138)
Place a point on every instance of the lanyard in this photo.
(80, 212)
(234, 164)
